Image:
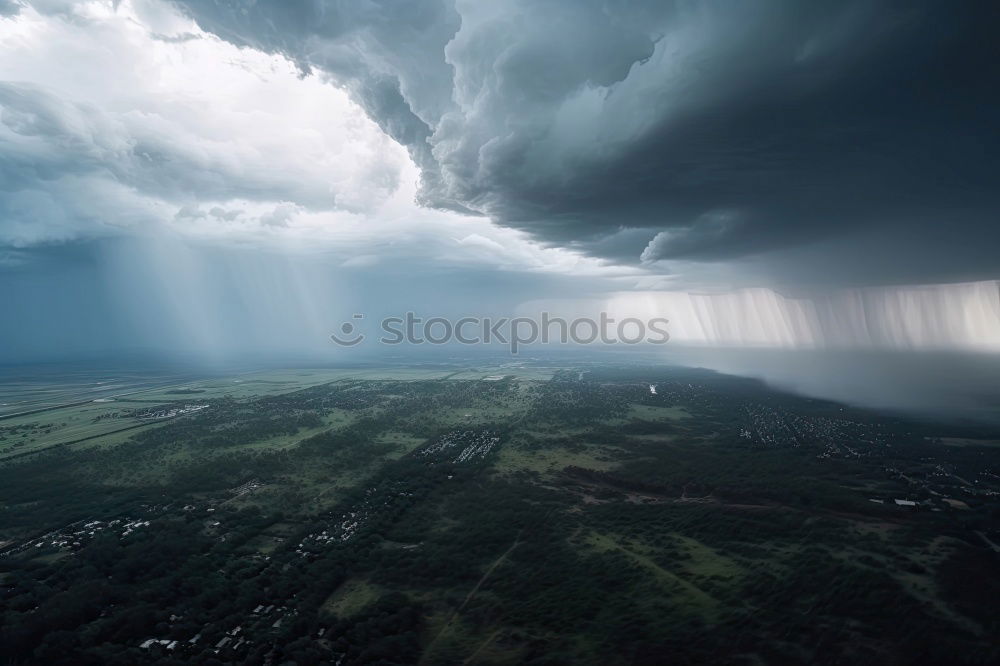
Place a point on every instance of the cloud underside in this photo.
(671, 132)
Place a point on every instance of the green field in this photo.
(496, 515)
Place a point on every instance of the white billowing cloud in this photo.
(92, 94)
(126, 118)
(476, 240)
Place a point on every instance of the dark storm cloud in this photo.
(710, 233)
(584, 121)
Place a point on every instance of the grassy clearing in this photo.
(352, 597)
(315, 488)
(335, 419)
(551, 460)
(35, 432)
(479, 414)
(252, 384)
(401, 374)
(265, 544)
(459, 642)
(707, 562)
(923, 588)
(402, 442)
(683, 594)
(657, 413)
(274, 536)
(51, 558)
(168, 460)
(516, 372)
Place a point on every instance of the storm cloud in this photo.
(618, 128)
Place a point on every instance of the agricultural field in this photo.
(67, 413)
(504, 514)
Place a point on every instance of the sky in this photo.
(235, 176)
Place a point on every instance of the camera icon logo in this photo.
(348, 330)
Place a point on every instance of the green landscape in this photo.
(509, 514)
